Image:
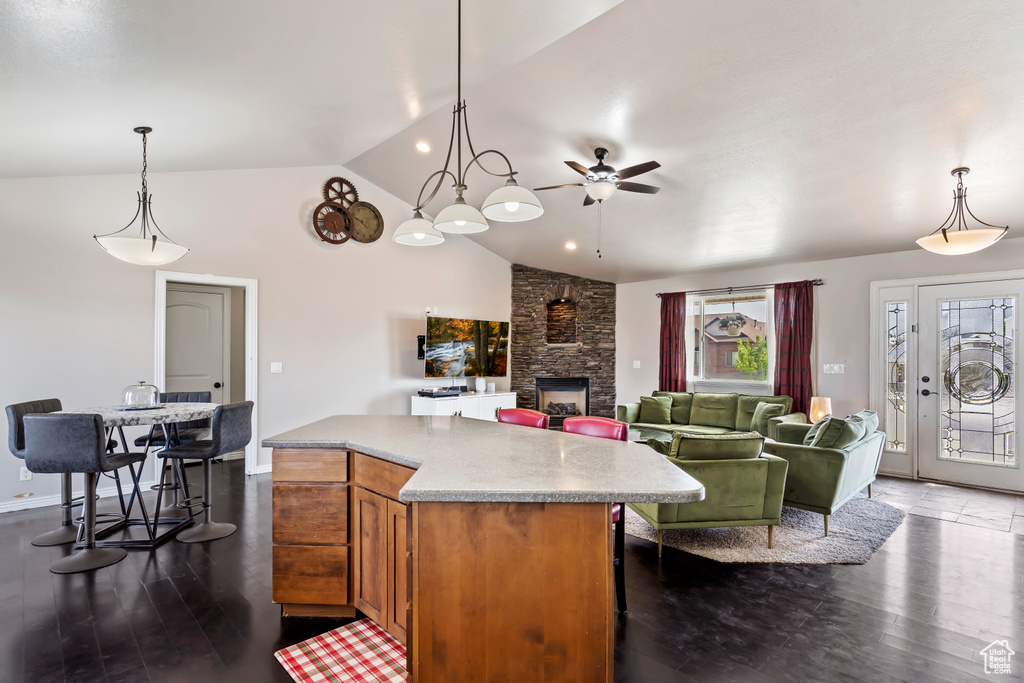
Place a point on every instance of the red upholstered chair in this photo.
(524, 417)
(607, 428)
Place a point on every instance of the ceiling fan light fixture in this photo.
(417, 232)
(512, 204)
(953, 237)
(600, 190)
(460, 219)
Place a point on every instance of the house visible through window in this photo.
(731, 337)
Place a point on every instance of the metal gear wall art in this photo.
(342, 216)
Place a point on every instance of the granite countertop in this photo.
(462, 459)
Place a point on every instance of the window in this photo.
(896, 377)
(731, 336)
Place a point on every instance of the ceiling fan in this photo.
(603, 180)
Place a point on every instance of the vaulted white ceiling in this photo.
(786, 131)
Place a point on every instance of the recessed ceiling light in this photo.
(570, 245)
(422, 146)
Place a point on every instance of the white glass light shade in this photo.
(142, 252)
(511, 204)
(961, 241)
(460, 218)
(601, 190)
(417, 232)
(820, 407)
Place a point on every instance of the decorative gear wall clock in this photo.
(342, 216)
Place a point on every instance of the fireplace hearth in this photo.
(562, 397)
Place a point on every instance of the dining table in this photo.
(166, 416)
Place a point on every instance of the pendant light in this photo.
(146, 249)
(509, 203)
(963, 240)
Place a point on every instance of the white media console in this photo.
(477, 405)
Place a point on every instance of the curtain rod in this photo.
(817, 282)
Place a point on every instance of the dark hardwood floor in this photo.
(920, 610)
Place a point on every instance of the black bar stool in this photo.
(67, 532)
(70, 443)
(231, 430)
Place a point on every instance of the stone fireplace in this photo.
(563, 331)
(562, 397)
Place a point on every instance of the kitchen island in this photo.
(485, 547)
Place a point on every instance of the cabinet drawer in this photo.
(311, 574)
(374, 474)
(311, 513)
(304, 464)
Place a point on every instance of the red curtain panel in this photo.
(672, 372)
(794, 329)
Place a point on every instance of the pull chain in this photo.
(599, 228)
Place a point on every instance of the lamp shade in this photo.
(417, 232)
(512, 204)
(820, 407)
(956, 242)
(460, 218)
(142, 251)
(601, 190)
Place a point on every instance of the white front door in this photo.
(197, 343)
(966, 384)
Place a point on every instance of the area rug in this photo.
(360, 652)
(855, 532)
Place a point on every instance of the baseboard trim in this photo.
(897, 474)
(264, 469)
(45, 501)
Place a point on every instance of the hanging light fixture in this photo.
(146, 249)
(509, 203)
(963, 240)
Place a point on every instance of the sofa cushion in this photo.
(839, 432)
(764, 411)
(656, 410)
(714, 410)
(733, 446)
(699, 429)
(812, 433)
(746, 405)
(681, 403)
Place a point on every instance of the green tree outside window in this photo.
(752, 358)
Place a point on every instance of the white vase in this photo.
(481, 384)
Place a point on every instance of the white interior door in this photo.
(198, 344)
(967, 360)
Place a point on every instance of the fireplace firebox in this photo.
(562, 397)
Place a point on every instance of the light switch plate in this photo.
(833, 368)
(636, 364)
(276, 368)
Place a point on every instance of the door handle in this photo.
(925, 392)
(216, 385)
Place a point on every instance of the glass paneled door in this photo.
(967, 384)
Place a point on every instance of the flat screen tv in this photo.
(459, 347)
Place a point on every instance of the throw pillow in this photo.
(733, 446)
(812, 433)
(870, 418)
(840, 432)
(763, 411)
(655, 410)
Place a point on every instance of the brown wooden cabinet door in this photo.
(369, 542)
(398, 571)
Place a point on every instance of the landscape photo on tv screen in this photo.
(459, 347)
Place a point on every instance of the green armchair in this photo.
(823, 479)
(743, 487)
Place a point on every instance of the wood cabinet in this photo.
(399, 561)
(369, 577)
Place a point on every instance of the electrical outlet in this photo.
(636, 364)
(276, 368)
(25, 474)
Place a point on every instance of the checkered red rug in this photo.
(359, 652)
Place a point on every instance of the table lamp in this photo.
(820, 407)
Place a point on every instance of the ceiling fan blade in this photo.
(588, 200)
(579, 168)
(555, 187)
(631, 171)
(638, 187)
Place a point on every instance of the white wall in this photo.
(78, 324)
(842, 309)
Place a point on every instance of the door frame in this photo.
(909, 468)
(163, 277)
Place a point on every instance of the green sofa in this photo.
(705, 413)
(823, 479)
(742, 486)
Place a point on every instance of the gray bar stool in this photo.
(67, 532)
(70, 443)
(231, 430)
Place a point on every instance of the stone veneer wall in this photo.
(593, 355)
